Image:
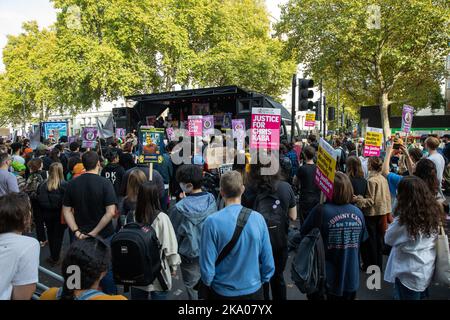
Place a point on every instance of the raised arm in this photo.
(387, 160)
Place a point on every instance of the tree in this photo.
(385, 62)
(25, 87)
(167, 42)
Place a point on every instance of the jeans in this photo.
(139, 294)
(55, 233)
(372, 248)
(258, 295)
(403, 293)
(190, 271)
(277, 283)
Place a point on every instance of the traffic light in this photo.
(331, 114)
(316, 108)
(305, 94)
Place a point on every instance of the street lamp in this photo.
(338, 65)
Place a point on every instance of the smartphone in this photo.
(396, 146)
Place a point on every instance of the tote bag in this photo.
(442, 269)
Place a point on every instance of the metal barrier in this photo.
(41, 287)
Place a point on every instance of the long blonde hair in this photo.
(55, 176)
(135, 180)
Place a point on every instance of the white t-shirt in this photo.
(19, 262)
(439, 161)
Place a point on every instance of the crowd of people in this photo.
(230, 245)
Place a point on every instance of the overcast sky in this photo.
(14, 12)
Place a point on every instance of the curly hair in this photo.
(417, 207)
(92, 256)
(426, 170)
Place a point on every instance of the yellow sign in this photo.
(374, 137)
(326, 163)
(326, 168)
(310, 117)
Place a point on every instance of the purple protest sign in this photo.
(121, 133)
(89, 137)
(208, 125)
(407, 118)
(72, 139)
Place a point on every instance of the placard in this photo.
(326, 168)
(151, 145)
(121, 133)
(170, 134)
(310, 119)
(407, 118)
(265, 128)
(373, 142)
(226, 124)
(195, 126)
(239, 132)
(208, 125)
(89, 137)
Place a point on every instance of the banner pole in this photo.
(150, 171)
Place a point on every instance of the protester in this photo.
(113, 171)
(165, 168)
(376, 205)
(251, 252)
(128, 204)
(74, 148)
(34, 181)
(148, 212)
(305, 180)
(355, 173)
(341, 155)
(75, 168)
(312, 141)
(16, 149)
(92, 256)
(8, 182)
(268, 195)
(431, 144)
(126, 159)
(50, 197)
(292, 155)
(19, 255)
(89, 206)
(342, 228)
(188, 217)
(412, 235)
(156, 179)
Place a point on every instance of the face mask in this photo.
(185, 188)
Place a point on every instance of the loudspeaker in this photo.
(119, 112)
(331, 114)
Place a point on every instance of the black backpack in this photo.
(269, 205)
(308, 267)
(136, 256)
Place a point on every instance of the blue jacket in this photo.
(248, 265)
(187, 217)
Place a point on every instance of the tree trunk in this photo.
(384, 104)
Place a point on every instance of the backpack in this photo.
(32, 186)
(136, 256)
(308, 266)
(269, 206)
(50, 200)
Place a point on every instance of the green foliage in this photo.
(104, 49)
(398, 60)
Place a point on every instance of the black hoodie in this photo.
(114, 172)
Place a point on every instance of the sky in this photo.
(13, 13)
